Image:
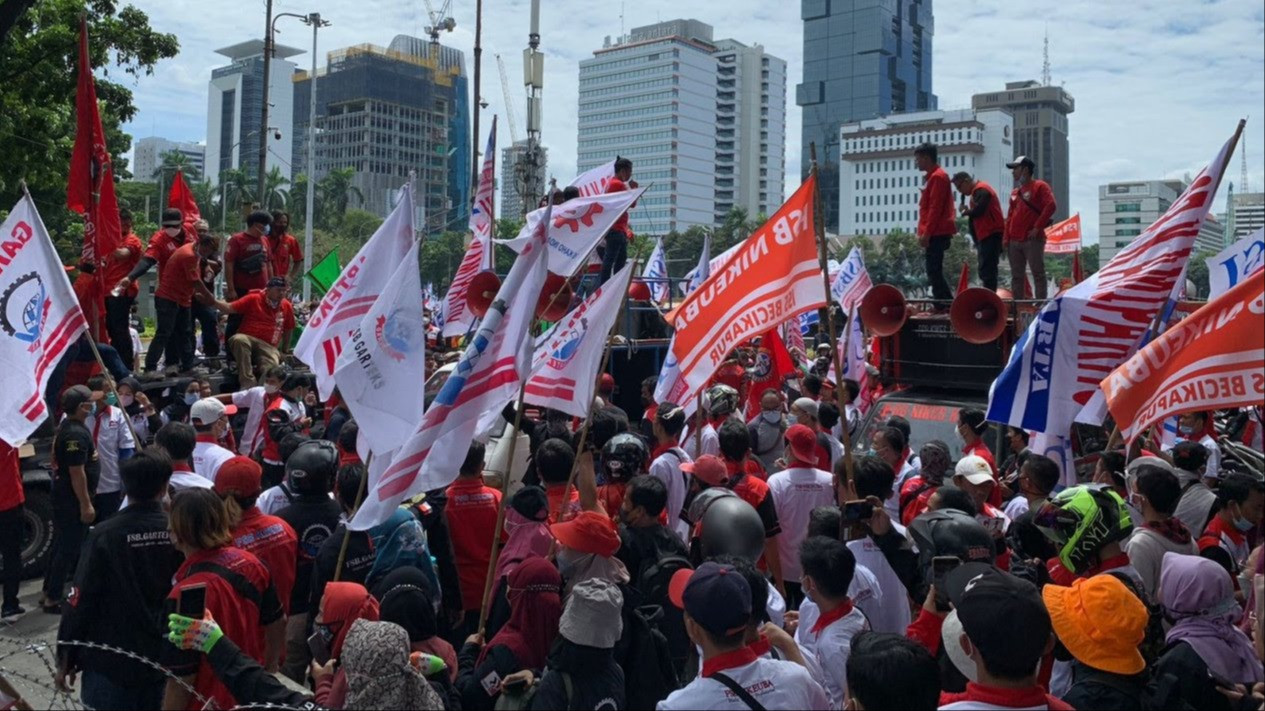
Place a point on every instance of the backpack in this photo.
(642, 652)
(1153, 642)
(652, 582)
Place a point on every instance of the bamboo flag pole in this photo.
(360, 496)
(485, 605)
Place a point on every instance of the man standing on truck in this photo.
(986, 224)
(936, 224)
(1031, 207)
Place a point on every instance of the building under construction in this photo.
(389, 112)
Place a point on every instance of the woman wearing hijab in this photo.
(1205, 649)
(138, 408)
(342, 605)
(523, 643)
(184, 393)
(400, 542)
(379, 675)
(934, 462)
(405, 598)
(528, 536)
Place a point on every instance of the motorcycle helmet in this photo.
(730, 526)
(723, 400)
(311, 468)
(1081, 520)
(624, 457)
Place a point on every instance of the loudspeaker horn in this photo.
(883, 309)
(555, 298)
(978, 315)
(482, 291)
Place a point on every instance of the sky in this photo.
(1158, 85)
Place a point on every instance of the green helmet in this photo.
(1081, 520)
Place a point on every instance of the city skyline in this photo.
(1127, 117)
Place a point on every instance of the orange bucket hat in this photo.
(1100, 622)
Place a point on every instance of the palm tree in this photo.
(173, 160)
(275, 197)
(235, 185)
(205, 195)
(338, 190)
(296, 200)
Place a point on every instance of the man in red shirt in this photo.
(1032, 205)
(985, 222)
(265, 322)
(247, 265)
(118, 309)
(970, 429)
(268, 538)
(178, 280)
(936, 225)
(284, 253)
(620, 234)
(12, 522)
(471, 516)
(164, 243)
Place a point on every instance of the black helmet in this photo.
(698, 505)
(730, 526)
(951, 532)
(624, 457)
(311, 468)
(722, 400)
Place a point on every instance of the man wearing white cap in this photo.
(974, 475)
(210, 419)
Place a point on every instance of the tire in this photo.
(37, 532)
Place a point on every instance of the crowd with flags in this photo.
(752, 530)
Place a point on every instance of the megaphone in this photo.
(555, 298)
(883, 309)
(482, 291)
(978, 315)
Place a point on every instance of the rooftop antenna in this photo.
(1243, 185)
(621, 22)
(1045, 64)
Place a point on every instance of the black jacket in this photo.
(356, 564)
(641, 547)
(1096, 689)
(1182, 676)
(314, 519)
(597, 682)
(472, 676)
(123, 579)
(249, 682)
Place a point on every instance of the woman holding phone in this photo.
(230, 584)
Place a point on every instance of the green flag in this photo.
(326, 271)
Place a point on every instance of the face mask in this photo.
(961, 437)
(127, 400)
(271, 389)
(93, 410)
(771, 417)
(808, 594)
(569, 561)
(267, 229)
(1185, 430)
(111, 399)
(1243, 524)
(791, 420)
(172, 231)
(190, 398)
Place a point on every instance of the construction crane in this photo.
(440, 21)
(510, 113)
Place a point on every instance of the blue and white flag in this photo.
(1085, 333)
(704, 268)
(655, 273)
(849, 284)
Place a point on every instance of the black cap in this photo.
(531, 503)
(276, 282)
(716, 596)
(1024, 161)
(76, 395)
(172, 217)
(1002, 615)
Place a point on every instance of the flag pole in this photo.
(819, 225)
(588, 419)
(360, 495)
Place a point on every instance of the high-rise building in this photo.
(234, 111)
(702, 120)
(148, 155)
(511, 199)
(1248, 210)
(388, 113)
(1040, 131)
(1126, 209)
(880, 186)
(862, 59)
(750, 129)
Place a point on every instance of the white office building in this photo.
(1125, 209)
(1247, 210)
(703, 121)
(148, 154)
(879, 186)
(234, 110)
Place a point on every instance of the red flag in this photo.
(90, 188)
(772, 365)
(181, 197)
(964, 281)
(1077, 275)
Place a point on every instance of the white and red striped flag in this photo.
(39, 319)
(564, 367)
(495, 363)
(575, 227)
(458, 319)
(595, 181)
(352, 295)
(850, 283)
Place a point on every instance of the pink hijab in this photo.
(527, 539)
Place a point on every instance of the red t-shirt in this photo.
(117, 268)
(11, 492)
(161, 247)
(176, 280)
(244, 249)
(618, 186)
(240, 617)
(274, 543)
(935, 206)
(553, 493)
(262, 321)
(471, 515)
(283, 253)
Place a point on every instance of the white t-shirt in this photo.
(711, 442)
(1212, 467)
(252, 400)
(796, 492)
(110, 434)
(207, 458)
(892, 505)
(667, 469)
(831, 645)
(892, 613)
(180, 480)
(775, 684)
(272, 500)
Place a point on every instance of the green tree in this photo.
(38, 75)
(173, 161)
(296, 201)
(207, 198)
(338, 190)
(1197, 272)
(235, 187)
(275, 197)
(441, 255)
(358, 226)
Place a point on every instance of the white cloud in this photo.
(1158, 85)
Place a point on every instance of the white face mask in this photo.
(171, 231)
(771, 416)
(568, 560)
(126, 400)
(271, 389)
(190, 398)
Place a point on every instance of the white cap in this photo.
(974, 469)
(208, 410)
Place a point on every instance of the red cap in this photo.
(803, 443)
(606, 383)
(239, 475)
(709, 469)
(588, 532)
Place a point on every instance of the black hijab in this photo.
(405, 598)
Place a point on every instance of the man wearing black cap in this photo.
(247, 265)
(1006, 631)
(265, 321)
(74, 483)
(717, 604)
(1032, 205)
